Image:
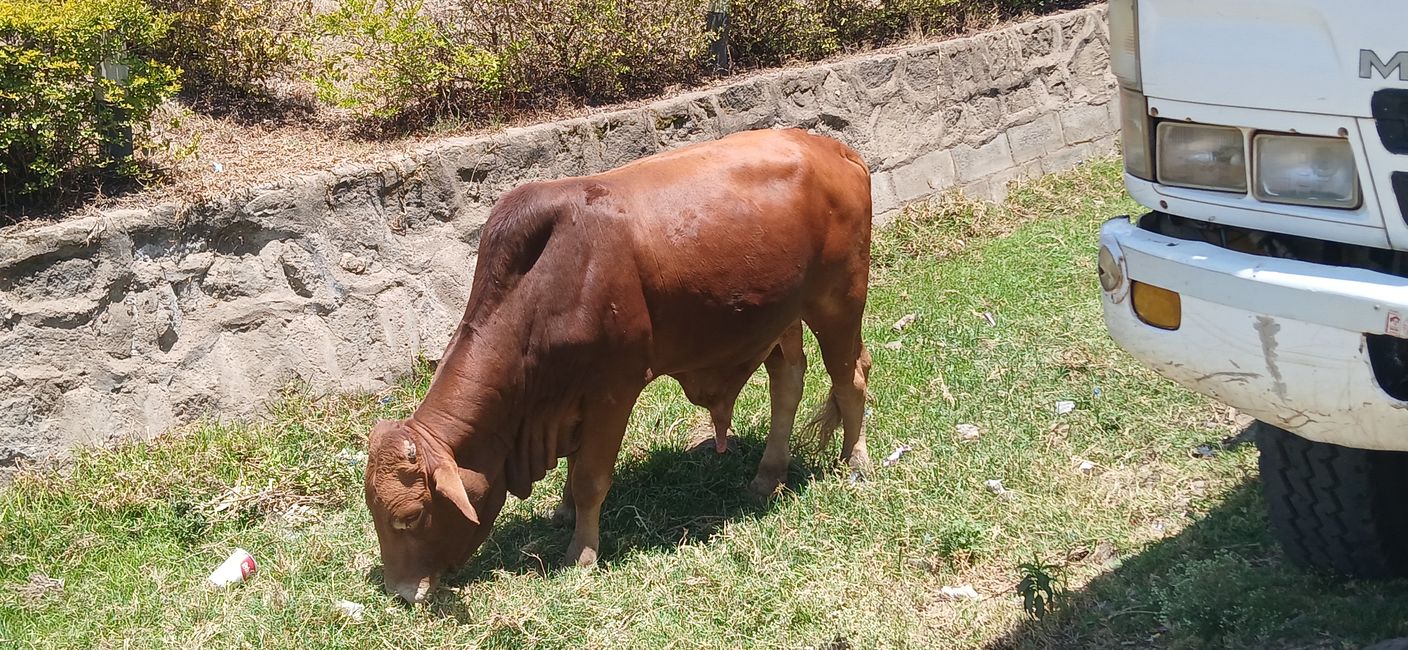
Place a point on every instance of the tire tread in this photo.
(1335, 508)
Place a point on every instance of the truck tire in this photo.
(1336, 509)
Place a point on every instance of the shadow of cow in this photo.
(662, 498)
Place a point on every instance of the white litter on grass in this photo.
(904, 321)
(1083, 466)
(351, 610)
(995, 486)
(968, 432)
(236, 568)
(963, 592)
(1065, 406)
(895, 455)
(351, 457)
(893, 345)
(299, 514)
(987, 316)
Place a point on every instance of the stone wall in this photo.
(121, 325)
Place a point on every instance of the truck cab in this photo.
(1268, 140)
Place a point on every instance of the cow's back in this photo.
(733, 238)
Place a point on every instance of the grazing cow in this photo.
(699, 263)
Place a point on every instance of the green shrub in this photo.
(52, 124)
(598, 50)
(768, 32)
(389, 59)
(394, 59)
(236, 44)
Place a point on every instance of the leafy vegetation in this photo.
(239, 45)
(58, 118)
(397, 61)
(383, 67)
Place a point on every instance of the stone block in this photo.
(1086, 123)
(933, 172)
(1035, 139)
(976, 163)
(882, 193)
(1067, 158)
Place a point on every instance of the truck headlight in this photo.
(1123, 20)
(1304, 170)
(1201, 156)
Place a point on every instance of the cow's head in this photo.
(429, 514)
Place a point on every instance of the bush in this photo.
(769, 32)
(599, 50)
(236, 44)
(388, 59)
(52, 123)
(393, 59)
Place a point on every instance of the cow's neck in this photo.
(469, 415)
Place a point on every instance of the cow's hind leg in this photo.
(848, 364)
(787, 367)
(589, 474)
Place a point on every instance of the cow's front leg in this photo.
(589, 477)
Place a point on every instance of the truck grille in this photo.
(1390, 110)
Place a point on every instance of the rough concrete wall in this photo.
(122, 325)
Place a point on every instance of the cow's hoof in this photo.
(582, 557)
(859, 463)
(563, 515)
(765, 486)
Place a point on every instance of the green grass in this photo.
(1155, 547)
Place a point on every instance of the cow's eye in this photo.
(405, 522)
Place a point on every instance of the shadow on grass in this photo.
(1221, 582)
(663, 499)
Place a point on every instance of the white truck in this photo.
(1269, 141)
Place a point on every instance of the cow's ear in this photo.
(448, 484)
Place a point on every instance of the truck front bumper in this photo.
(1281, 340)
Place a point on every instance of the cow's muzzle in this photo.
(413, 592)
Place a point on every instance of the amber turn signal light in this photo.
(1156, 306)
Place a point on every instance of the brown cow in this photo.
(699, 263)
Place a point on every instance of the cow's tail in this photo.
(814, 436)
